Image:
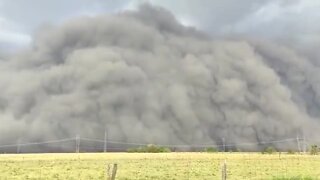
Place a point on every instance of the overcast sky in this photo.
(294, 20)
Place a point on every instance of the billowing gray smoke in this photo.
(150, 79)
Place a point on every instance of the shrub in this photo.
(210, 149)
(164, 149)
(269, 150)
(131, 150)
(151, 148)
(314, 150)
(291, 151)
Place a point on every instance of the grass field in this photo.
(159, 166)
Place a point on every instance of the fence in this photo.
(223, 165)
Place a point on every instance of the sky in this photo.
(283, 20)
(247, 72)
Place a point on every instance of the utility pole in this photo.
(224, 145)
(18, 146)
(298, 143)
(77, 143)
(304, 145)
(105, 140)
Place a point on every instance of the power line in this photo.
(37, 143)
(104, 148)
(193, 145)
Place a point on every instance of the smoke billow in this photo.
(152, 80)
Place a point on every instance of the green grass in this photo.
(160, 166)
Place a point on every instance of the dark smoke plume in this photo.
(150, 79)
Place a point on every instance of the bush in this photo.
(314, 150)
(291, 151)
(151, 148)
(211, 149)
(132, 150)
(269, 150)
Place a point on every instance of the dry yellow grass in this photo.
(159, 166)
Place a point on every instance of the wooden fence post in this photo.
(224, 170)
(111, 171)
(114, 171)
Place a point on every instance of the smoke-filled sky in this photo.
(182, 72)
(281, 19)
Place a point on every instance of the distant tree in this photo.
(314, 150)
(237, 150)
(290, 151)
(211, 149)
(269, 150)
(151, 148)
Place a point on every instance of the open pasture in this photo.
(159, 166)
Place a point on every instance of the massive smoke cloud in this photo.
(147, 78)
